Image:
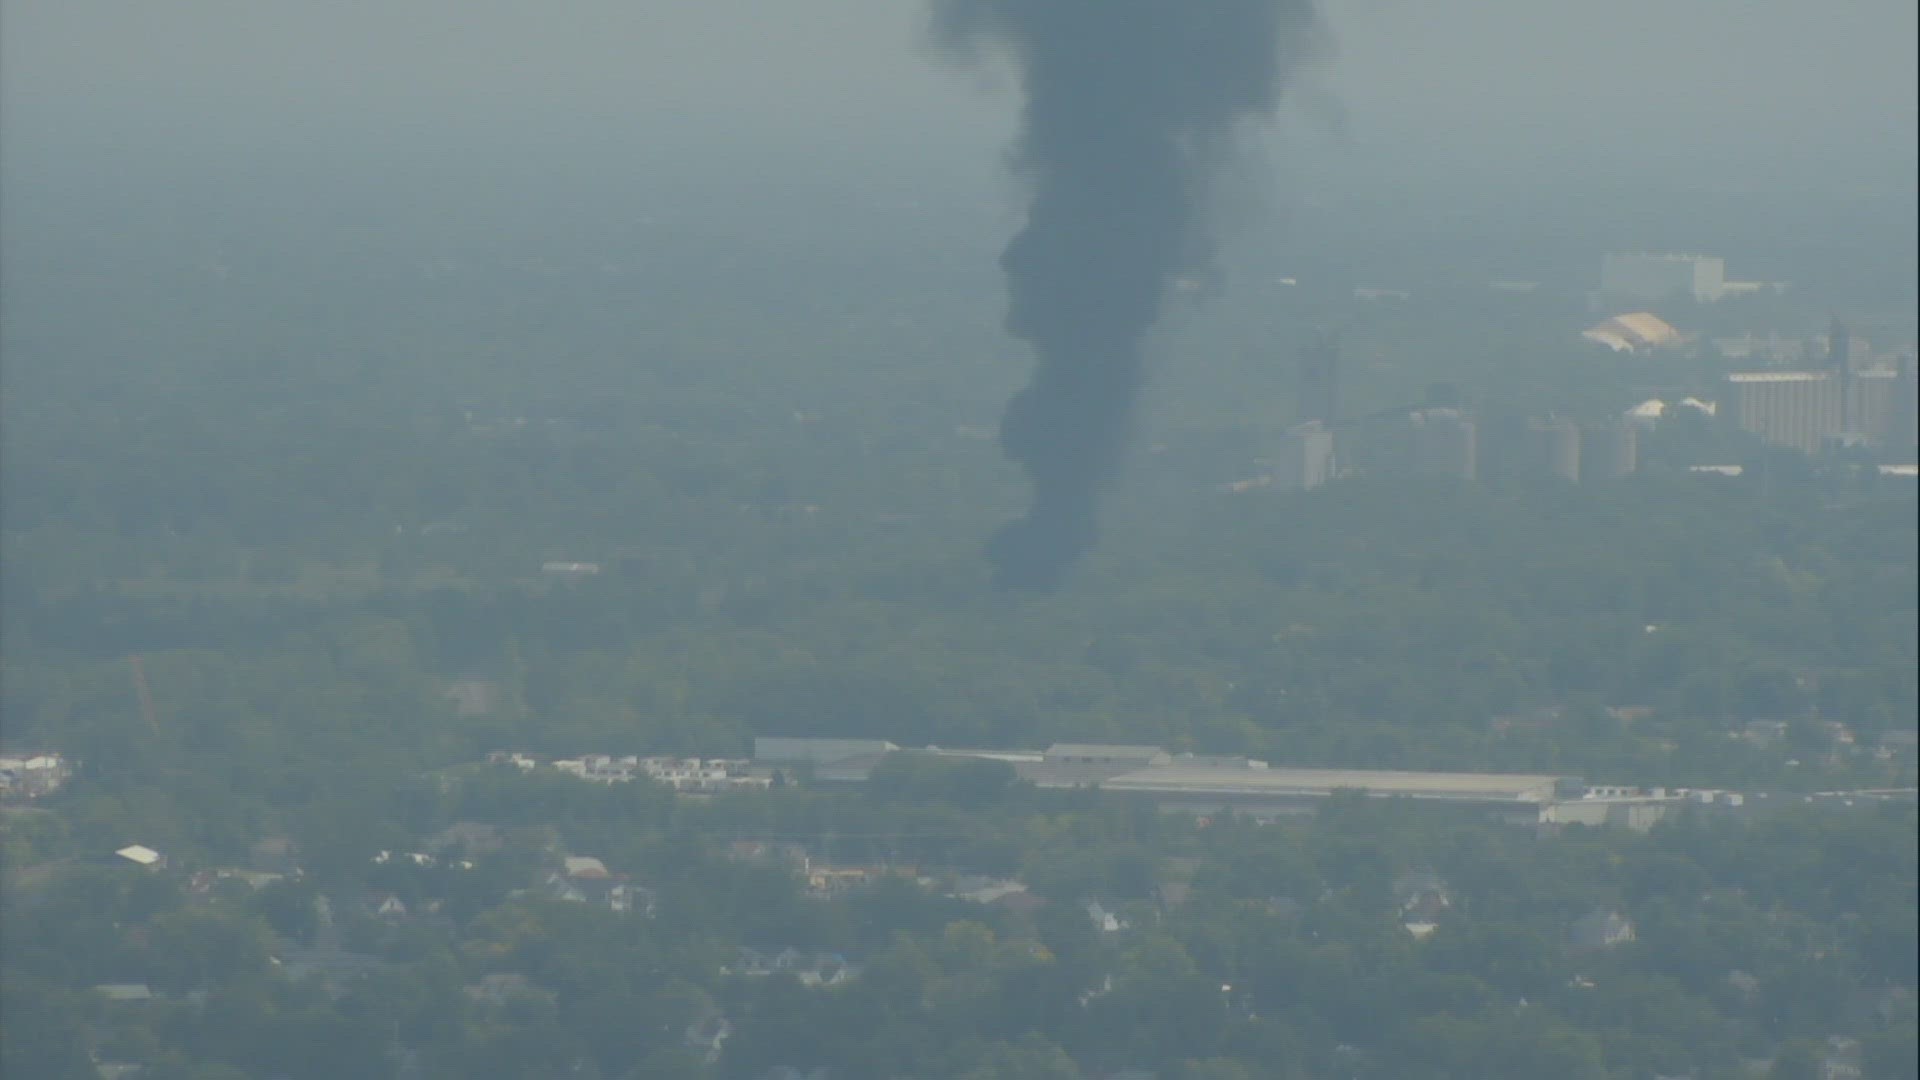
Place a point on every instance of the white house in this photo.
(1104, 920)
(1602, 928)
(708, 1036)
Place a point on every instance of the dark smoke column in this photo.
(1130, 109)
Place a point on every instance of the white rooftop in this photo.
(1203, 780)
(1102, 750)
(1776, 376)
(585, 866)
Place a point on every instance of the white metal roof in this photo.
(1102, 750)
(1776, 376)
(1634, 330)
(1178, 780)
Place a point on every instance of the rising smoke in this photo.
(1130, 111)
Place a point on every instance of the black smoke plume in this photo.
(1130, 111)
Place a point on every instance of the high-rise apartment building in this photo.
(1435, 441)
(1446, 442)
(1305, 459)
(1553, 448)
(1609, 451)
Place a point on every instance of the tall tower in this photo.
(1840, 360)
(1839, 345)
(1319, 395)
(1906, 410)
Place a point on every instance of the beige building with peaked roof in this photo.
(1634, 332)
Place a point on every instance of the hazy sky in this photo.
(1637, 86)
(1481, 89)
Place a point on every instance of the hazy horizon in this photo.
(1713, 96)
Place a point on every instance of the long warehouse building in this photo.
(1206, 784)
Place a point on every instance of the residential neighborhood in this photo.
(689, 775)
(32, 775)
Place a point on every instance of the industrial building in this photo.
(1645, 276)
(1104, 756)
(1188, 783)
(1218, 784)
(1807, 410)
(1871, 408)
(1786, 408)
(1263, 791)
(1846, 403)
(778, 751)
